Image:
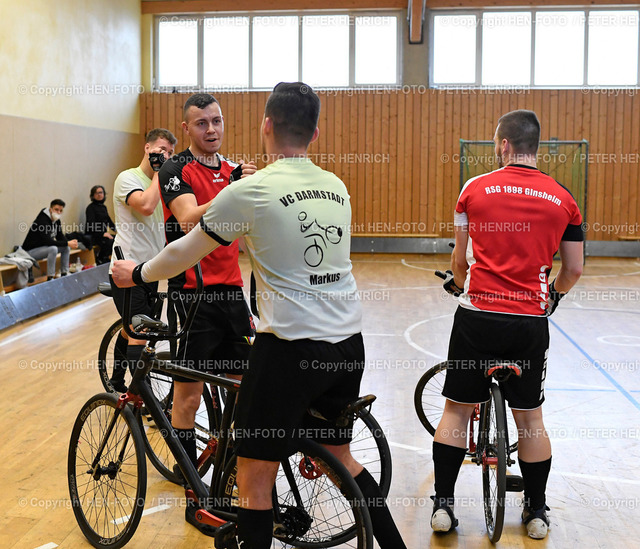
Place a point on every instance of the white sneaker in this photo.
(442, 518)
(537, 522)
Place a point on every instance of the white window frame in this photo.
(200, 18)
(533, 10)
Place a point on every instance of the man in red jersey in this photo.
(189, 181)
(508, 225)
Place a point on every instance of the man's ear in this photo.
(316, 133)
(267, 126)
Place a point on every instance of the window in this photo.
(227, 36)
(258, 51)
(454, 40)
(177, 53)
(535, 47)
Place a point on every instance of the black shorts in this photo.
(479, 338)
(285, 380)
(216, 341)
(142, 300)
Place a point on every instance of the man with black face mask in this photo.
(98, 224)
(45, 239)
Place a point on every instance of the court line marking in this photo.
(408, 447)
(49, 545)
(407, 336)
(148, 511)
(597, 366)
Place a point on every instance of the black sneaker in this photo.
(118, 385)
(190, 517)
(536, 521)
(442, 517)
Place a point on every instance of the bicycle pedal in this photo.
(225, 537)
(515, 483)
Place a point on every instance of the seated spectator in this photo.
(45, 239)
(98, 224)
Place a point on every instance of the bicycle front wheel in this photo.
(160, 456)
(370, 448)
(427, 398)
(493, 452)
(317, 503)
(107, 472)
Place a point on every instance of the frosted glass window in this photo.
(275, 50)
(325, 50)
(506, 48)
(376, 50)
(559, 59)
(454, 46)
(226, 52)
(178, 53)
(613, 48)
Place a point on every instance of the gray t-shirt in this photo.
(141, 237)
(296, 219)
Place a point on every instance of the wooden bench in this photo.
(9, 273)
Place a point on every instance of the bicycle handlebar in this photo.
(158, 331)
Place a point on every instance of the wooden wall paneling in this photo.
(373, 167)
(442, 187)
(414, 199)
(406, 182)
(164, 110)
(363, 166)
(614, 214)
(423, 165)
(393, 172)
(626, 167)
(361, 146)
(602, 169)
(433, 162)
(634, 203)
(451, 178)
(383, 151)
(414, 185)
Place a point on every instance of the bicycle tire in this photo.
(106, 358)
(427, 397)
(207, 424)
(105, 355)
(370, 448)
(108, 508)
(323, 515)
(493, 452)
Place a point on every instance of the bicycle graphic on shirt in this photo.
(321, 238)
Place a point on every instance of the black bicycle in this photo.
(107, 468)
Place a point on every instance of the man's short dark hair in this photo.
(199, 100)
(294, 108)
(160, 133)
(522, 129)
(57, 202)
(94, 190)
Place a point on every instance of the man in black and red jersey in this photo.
(508, 225)
(189, 182)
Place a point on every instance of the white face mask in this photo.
(55, 216)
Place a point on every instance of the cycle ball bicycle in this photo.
(107, 469)
(369, 445)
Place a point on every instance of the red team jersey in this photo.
(183, 174)
(517, 217)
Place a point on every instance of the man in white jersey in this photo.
(140, 235)
(295, 218)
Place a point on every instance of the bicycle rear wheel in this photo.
(107, 488)
(370, 448)
(208, 420)
(427, 398)
(310, 511)
(493, 453)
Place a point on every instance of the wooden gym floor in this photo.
(47, 371)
